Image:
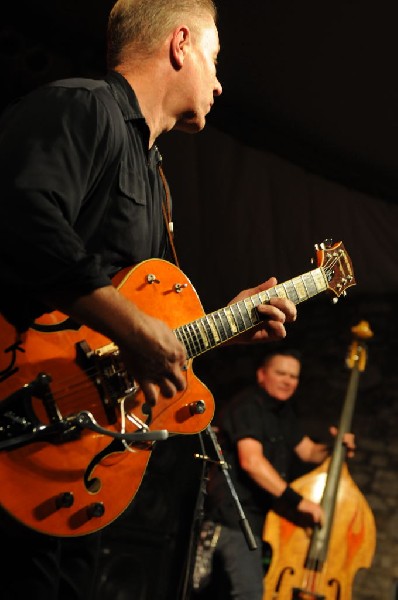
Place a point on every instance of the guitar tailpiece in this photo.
(86, 420)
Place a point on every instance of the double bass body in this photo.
(351, 545)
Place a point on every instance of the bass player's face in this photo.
(280, 376)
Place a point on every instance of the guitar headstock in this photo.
(337, 266)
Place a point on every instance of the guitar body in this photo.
(66, 480)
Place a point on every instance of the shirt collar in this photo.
(128, 103)
(276, 406)
(125, 96)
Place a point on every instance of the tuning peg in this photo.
(328, 243)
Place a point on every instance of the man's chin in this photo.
(190, 125)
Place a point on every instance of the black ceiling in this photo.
(313, 81)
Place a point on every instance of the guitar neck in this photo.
(224, 324)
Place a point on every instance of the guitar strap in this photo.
(166, 208)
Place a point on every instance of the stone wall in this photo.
(374, 469)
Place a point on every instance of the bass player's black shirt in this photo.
(273, 423)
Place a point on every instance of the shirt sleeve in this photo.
(51, 144)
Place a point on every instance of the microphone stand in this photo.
(243, 522)
(199, 511)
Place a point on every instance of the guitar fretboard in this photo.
(220, 326)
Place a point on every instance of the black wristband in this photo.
(290, 497)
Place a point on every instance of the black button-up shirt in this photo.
(81, 195)
(273, 423)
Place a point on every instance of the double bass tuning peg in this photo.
(362, 330)
(357, 351)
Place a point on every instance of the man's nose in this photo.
(218, 88)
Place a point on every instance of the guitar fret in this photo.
(203, 334)
(182, 338)
(233, 324)
(256, 299)
(320, 279)
(280, 291)
(215, 328)
(272, 293)
(300, 288)
(305, 287)
(291, 291)
(197, 340)
(230, 320)
(245, 315)
(208, 330)
(220, 325)
(251, 311)
(235, 310)
(212, 330)
(264, 297)
(310, 284)
(229, 324)
(190, 339)
(188, 342)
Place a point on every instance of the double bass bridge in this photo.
(299, 594)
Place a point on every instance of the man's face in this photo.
(280, 377)
(201, 83)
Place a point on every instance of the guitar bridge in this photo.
(108, 374)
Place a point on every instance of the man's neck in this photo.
(151, 99)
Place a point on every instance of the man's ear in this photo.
(180, 42)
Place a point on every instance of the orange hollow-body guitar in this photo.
(75, 432)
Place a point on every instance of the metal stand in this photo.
(199, 511)
(243, 522)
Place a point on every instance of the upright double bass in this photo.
(320, 563)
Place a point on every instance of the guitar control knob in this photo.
(65, 500)
(197, 408)
(95, 510)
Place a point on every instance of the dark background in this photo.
(300, 147)
(314, 82)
